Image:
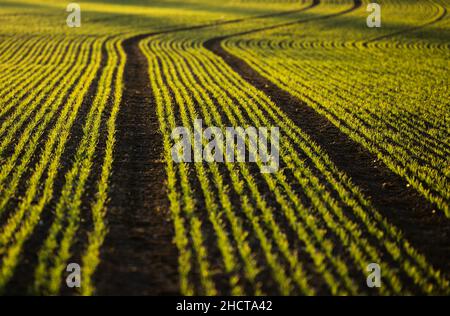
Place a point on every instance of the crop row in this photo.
(61, 93)
(36, 130)
(394, 102)
(304, 227)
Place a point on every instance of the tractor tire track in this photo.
(402, 205)
(138, 256)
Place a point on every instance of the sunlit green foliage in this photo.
(304, 230)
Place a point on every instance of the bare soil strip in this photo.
(138, 257)
(402, 205)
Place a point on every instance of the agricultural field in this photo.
(88, 168)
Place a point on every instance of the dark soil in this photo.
(138, 257)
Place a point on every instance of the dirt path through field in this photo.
(138, 257)
(401, 205)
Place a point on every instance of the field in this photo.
(87, 173)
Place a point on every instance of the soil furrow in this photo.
(138, 256)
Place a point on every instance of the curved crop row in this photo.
(395, 109)
(293, 220)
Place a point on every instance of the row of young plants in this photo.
(47, 73)
(314, 197)
(394, 102)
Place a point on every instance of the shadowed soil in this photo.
(138, 257)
